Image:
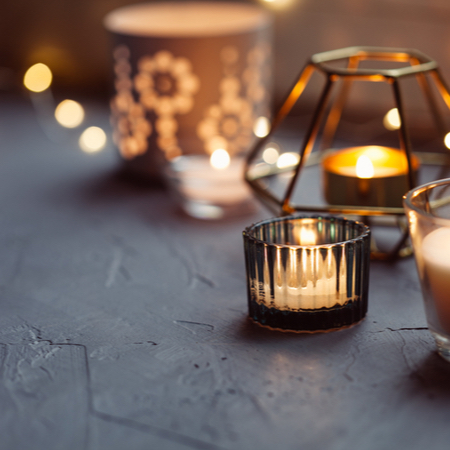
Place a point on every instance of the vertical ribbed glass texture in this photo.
(307, 273)
(428, 211)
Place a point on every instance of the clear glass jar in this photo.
(428, 211)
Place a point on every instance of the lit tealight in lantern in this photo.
(366, 176)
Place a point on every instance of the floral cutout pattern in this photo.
(165, 86)
(229, 123)
(131, 127)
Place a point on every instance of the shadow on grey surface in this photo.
(432, 377)
(149, 199)
(122, 181)
(252, 332)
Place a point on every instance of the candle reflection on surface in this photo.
(210, 187)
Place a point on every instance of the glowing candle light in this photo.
(220, 159)
(366, 176)
(307, 236)
(209, 186)
(299, 272)
(364, 167)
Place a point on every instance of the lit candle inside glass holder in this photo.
(210, 187)
(307, 274)
(366, 176)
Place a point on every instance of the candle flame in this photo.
(220, 159)
(92, 140)
(307, 237)
(364, 167)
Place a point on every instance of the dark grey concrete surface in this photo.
(123, 325)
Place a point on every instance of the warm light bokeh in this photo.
(392, 120)
(364, 167)
(308, 236)
(38, 78)
(93, 139)
(261, 127)
(220, 159)
(69, 113)
(287, 160)
(270, 154)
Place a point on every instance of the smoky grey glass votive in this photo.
(307, 273)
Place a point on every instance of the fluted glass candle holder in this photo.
(307, 273)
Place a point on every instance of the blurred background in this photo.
(69, 37)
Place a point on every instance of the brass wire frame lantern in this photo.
(419, 66)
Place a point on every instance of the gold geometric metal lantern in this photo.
(372, 195)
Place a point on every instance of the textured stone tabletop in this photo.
(123, 325)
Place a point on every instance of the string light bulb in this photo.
(392, 120)
(92, 140)
(38, 78)
(69, 114)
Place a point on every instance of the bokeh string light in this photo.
(391, 120)
(92, 140)
(38, 78)
(68, 114)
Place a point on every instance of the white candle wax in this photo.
(436, 258)
(309, 282)
(198, 180)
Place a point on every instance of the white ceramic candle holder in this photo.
(190, 78)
